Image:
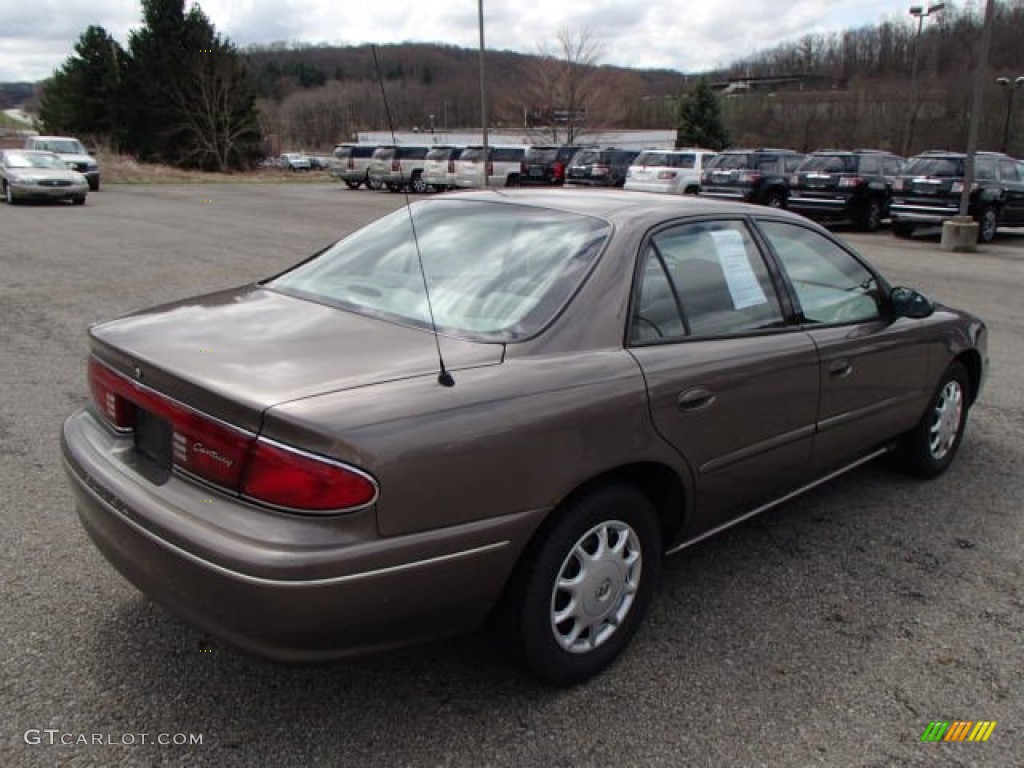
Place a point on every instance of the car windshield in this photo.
(830, 163)
(731, 162)
(62, 146)
(943, 167)
(496, 272)
(33, 160)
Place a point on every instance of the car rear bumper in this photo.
(926, 214)
(837, 206)
(652, 186)
(726, 194)
(286, 587)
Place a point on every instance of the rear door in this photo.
(1013, 208)
(732, 385)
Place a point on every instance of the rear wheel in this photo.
(988, 223)
(902, 229)
(352, 184)
(374, 183)
(583, 585)
(871, 219)
(418, 185)
(929, 449)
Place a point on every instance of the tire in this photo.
(871, 219)
(418, 185)
(352, 184)
(374, 184)
(80, 200)
(929, 449)
(775, 199)
(583, 585)
(902, 229)
(94, 185)
(988, 224)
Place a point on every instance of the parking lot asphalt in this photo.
(827, 632)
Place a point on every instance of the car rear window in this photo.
(942, 167)
(668, 159)
(733, 161)
(413, 153)
(541, 154)
(830, 163)
(496, 272)
(442, 153)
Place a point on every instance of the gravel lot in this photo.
(828, 632)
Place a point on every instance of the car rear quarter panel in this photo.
(511, 438)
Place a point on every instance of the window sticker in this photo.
(743, 286)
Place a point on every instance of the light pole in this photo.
(920, 13)
(1010, 86)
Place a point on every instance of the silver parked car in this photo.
(28, 174)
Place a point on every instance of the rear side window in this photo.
(507, 154)
(703, 279)
(733, 161)
(792, 162)
(412, 153)
(941, 167)
(830, 163)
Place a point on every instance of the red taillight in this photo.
(221, 454)
(749, 177)
(490, 168)
(287, 478)
(396, 165)
(106, 387)
(351, 164)
(451, 166)
(558, 170)
(599, 170)
(666, 174)
(845, 182)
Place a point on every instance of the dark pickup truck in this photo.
(928, 192)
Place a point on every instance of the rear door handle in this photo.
(840, 369)
(695, 399)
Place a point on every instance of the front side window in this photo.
(831, 285)
(495, 272)
(703, 279)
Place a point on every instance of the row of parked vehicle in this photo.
(864, 186)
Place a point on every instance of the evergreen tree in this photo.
(700, 120)
(84, 96)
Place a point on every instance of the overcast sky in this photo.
(37, 35)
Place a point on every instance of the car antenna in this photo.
(444, 378)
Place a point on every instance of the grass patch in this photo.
(124, 169)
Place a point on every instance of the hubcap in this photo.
(988, 225)
(596, 586)
(945, 420)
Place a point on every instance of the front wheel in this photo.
(418, 185)
(988, 223)
(584, 584)
(929, 449)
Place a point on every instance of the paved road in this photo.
(829, 632)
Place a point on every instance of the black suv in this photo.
(930, 188)
(600, 167)
(546, 164)
(752, 175)
(840, 184)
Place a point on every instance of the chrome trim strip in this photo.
(780, 500)
(284, 583)
(758, 448)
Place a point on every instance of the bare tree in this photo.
(567, 95)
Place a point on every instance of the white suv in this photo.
(673, 171)
(71, 151)
(501, 165)
(399, 167)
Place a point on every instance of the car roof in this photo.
(617, 205)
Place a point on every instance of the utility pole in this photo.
(483, 90)
(921, 13)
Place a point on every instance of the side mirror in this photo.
(906, 302)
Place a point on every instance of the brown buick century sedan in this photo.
(502, 407)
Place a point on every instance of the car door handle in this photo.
(840, 369)
(695, 399)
